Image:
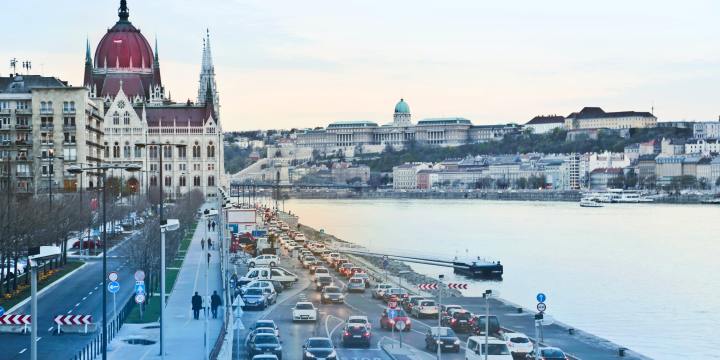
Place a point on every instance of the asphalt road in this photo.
(79, 294)
(331, 319)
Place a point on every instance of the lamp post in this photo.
(486, 296)
(75, 169)
(161, 147)
(440, 289)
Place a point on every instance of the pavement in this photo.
(184, 337)
(78, 294)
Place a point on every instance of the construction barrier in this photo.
(74, 324)
(15, 323)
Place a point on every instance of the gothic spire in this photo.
(88, 57)
(207, 89)
(156, 51)
(123, 12)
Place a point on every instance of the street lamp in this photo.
(486, 296)
(34, 255)
(51, 170)
(161, 147)
(75, 169)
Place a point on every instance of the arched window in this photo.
(138, 152)
(116, 150)
(153, 151)
(153, 180)
(126, 118)
(167, 151)
(168, 181)
(126, 150)
(182, 181)
(211, 150)
(211, 180)
(116, 118)
(196, 181)
(107, 150)
(196, 150)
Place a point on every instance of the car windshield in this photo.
(265, 324)
(265, 330)
(266, 339)
(495, 349)
(462, 316)
(443, 331)
(356, 280)
(254, 291)
(361, 275)
(321, 270)
(427, 303)
(520, 340)
(357, 321)
(319, 343)
(393, 313)
(332, 289)
(552, 353)
(304, 306)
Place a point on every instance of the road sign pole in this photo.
(486, 295)
(440, 290)
(537, 341)
(33, 312)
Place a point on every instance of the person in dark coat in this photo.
(215, 301)
(202, 244)
(209, 244)
(197, 305)
(213, 226)
(208, 222)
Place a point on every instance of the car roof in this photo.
(515, 334)
(265, 321)
(303, 302)
(481, 339)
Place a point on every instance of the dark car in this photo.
(265, 344)
(255, 298)
(319, 347)
(478, 325)
(548, 353)
(460, 320)
(442, 336)
(322, 282)
(400, 293)
(332, 294)
(356, 335)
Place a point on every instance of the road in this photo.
(78, 294)
(331, 320)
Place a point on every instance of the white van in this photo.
(273, 274)
(497, 349)
(268, 260)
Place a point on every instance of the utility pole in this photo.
(486, 295)
(440, 289)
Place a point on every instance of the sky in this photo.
(295, 64)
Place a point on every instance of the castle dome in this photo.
(402, 107)
(123, 46)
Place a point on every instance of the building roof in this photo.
(611, 171)
(596, 112)
(444, 121)
(18, 84)
(402, 107)
(123, 46)
(546, 119)
(350, 124)
(176, 115)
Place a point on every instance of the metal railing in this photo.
(94, 349)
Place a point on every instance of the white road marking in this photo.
(23, 350)
(84, 298)
(69, 311)
(90, 293)
(38, 339)
(78, 304)
(50, 329)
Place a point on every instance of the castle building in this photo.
(125, 77)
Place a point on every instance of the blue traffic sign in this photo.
(2, 311)
(385, 262)
(113, 287)
(140, 287)
(541, 297)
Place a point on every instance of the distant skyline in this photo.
(285, 64)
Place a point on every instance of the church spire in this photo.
(123, 11)
(88, 57)
(207, 88)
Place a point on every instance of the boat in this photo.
(590, 203)
(715, 201)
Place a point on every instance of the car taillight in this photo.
(367, 334)
(347, 333)
(453, 321)
(407, 322)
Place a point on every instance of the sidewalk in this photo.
(184, 336)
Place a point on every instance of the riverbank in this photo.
(579, 344)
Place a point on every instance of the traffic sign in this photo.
(400, 325)
(385, 261)
(113, 276)
(140, 298)
(392, 304)
(541, 307)
(113, 287)
(2, 311)
(139, 275)
(541, 297)
(139, 287)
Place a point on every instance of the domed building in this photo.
(402, 114)
(125, 78)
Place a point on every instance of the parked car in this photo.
(391, 316)
(256, 298)
(548, 353)
(460, 320)
(356, 334)
(265, 344)
(425, 308)
(319, 348)
(257, 284)
(322, 281)
(356, 284)
(441, 336)
(478, 325)
(332, 294)
(518, 343)
(91, 244)
(379, 290)
(496, 349)
(304, 311)
(267, 260)
(275, 274)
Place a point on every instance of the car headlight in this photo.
(309, 355)
(341, 296)
(457, 342)
(325, 296)
(333, 354)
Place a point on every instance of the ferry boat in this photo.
(590, 203)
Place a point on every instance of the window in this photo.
(22, 105)
(196, 150)
(211, 180)
(6, 105)
(153, 181)
(107, 151)
(46, 121)
(182, 167)
(69, 121)
(211, 166)
(48, 169)
(168, 181)
(138, 152)
(68, 106)
(116, 150)
(126, 118)
(69, 138)
(211, 150)
(116, 118)
(126, 150)
(196, 167)
(196, 181)
(46, 138)
(168, 167)
(182, 152)
(182, 181)
(153, 151)
(70, 154)
(153, 167)
(167, 151)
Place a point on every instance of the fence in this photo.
(94, 348)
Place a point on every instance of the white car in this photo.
(260, 284)
(359, 320)
(496, 350)
(304, 311)
(518, 343)
(267, 260)
(425, 308)
(379, 290)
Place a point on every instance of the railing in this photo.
(23, 127)
(68, 111)
(47, 126)
(94, 348)
(24, 142)
(69, 127)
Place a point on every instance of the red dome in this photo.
(121, 45)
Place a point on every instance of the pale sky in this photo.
(289, 63)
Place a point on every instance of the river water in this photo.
(643, 276)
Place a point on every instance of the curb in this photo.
(43, 290)
(388, 353)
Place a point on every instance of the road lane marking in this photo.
(38, 339)
(69, 311)
(84, 298)
(50, 329)
(23, 350)
(90, 293)
(78, 304)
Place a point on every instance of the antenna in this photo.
(13, 64)
(27, 65)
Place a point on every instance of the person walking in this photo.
(208, 259)
(202, 243)
(213, 225)
(210, 244)
(208, 222)
(197, 304)
(215, 301)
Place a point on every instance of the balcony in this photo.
(47, 126)
(23, 142)
(4, 111)
(46, 111)
(69, 111)
(23, 111)
(69, 127)
(5, 143)
(23, 127)
(5, 127)
(23, 174)
(22, 159)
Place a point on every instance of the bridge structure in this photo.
(247, 191)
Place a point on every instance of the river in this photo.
(643, 276)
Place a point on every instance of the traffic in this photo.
(313, 302)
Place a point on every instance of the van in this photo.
(280, 275)
(478, 325)
(496, 349)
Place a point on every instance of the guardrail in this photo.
(94, 349)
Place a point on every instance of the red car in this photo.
(353, 270)
(390, 316)
(344, 269)
(88, 244)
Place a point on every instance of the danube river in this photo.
(643, 276)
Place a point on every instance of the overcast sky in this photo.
(289, 63)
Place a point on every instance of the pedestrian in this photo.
(215, 301)
(208, 259)
(209, 244)
(202, 244)
(197, 304)
(213, 226)
(208, 222)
